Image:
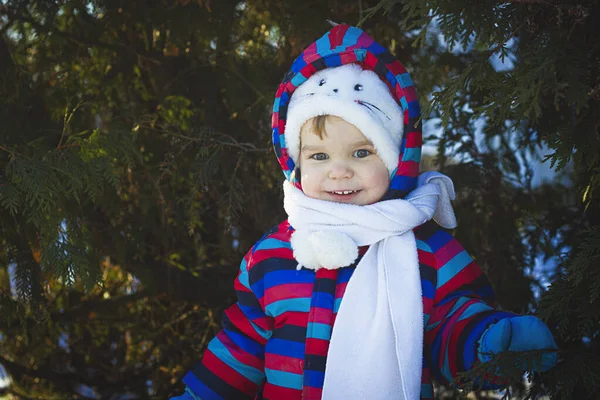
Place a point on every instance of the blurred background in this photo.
(136, 170)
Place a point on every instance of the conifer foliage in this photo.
(136, 170)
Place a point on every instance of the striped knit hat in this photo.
(396, 138)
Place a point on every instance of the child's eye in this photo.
(362, 153)
(319, 156)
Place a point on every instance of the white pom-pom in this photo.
(303, 250)
(323, 249)
(333, 249)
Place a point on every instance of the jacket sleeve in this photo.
(233, 363)
(463, 306)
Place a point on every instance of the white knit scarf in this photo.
(376, 345)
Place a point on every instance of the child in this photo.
(415, 306)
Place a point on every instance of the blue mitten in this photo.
(519, 334)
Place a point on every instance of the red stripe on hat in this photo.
(279, 91)
(364, 41)
(398, 91)
(396, 67)
(336, 35)
(285, 156)
(408, 168)
(311, 58)
(281, 126)
(308, 70)
(310, 50)
(275, 118)
(411, 93)
(348, 57)
(370, 60)
(413, 139)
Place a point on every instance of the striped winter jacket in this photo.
(275, 338)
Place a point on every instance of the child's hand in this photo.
(519, 334)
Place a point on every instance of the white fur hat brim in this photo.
(353, 113)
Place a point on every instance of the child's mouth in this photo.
(343, 195)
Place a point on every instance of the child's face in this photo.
(343, 161)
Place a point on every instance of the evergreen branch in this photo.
(69, 381)
(9, 151)
(244, 146)
(67, 119)
(260, 94)
(504, 369)
(97, 306)
(526, 1)
(120, 48)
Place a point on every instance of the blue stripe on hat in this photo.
(350, 38)
(401, 182)
(404, 79)
(360, 54)
(412, 154)
(290, 164)
(403, 103)
(413, 109)
(333, 60)
(298, 79)
(391, 79)
(283, 99)
(298, 64)
(376, 48)
(323, 45)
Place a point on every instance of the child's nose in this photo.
(340, 170)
